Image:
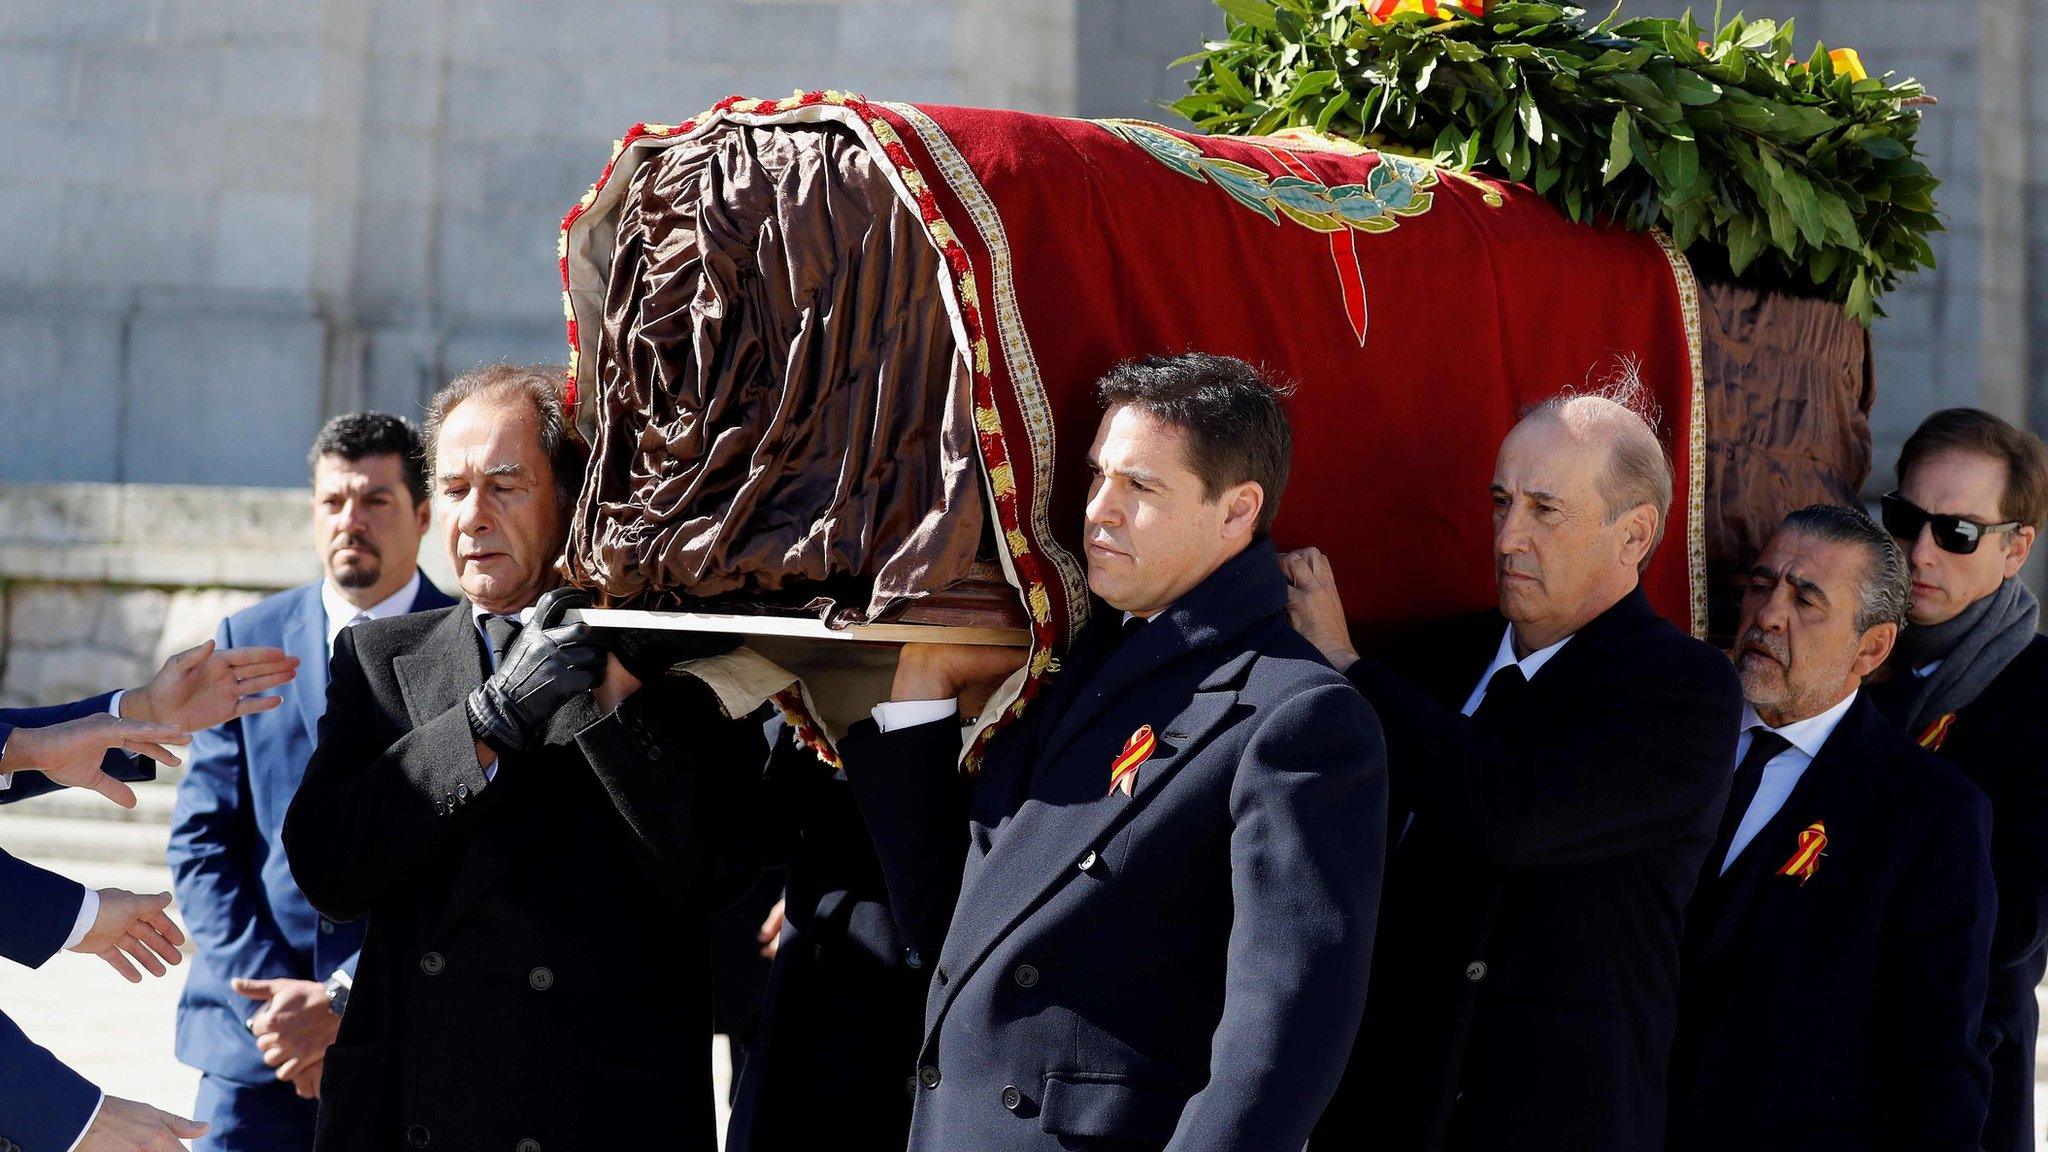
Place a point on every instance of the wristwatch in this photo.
(338, 986)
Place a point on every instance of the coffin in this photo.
(834, 356)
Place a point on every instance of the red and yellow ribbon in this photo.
(1937, 733)
(1123, 771)
(1383, 10)
(1806, 861)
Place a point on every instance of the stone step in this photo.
(66, 838)
(153, 804)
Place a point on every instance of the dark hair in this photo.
(1230, 411)
(1887, 578)
(540, 385)
(356, 435)
(1974, 430)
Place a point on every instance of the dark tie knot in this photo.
(500, 631)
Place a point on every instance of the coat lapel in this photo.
(1044, 840)
(305, 637)
(1828, 790)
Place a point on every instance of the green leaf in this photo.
(1531, 119)
(1884, 147)
(1227, 82)
(1681, 163)
(1330, 110)
(1257, 13)
(1618, 151)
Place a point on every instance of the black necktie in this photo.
(1764, 746)
(1502, 691)
(500, 631)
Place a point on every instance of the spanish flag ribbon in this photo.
(1123, 771)
(1848, 63)
(1806, 861)
(1937, 733)
(1383, 10)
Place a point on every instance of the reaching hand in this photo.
(544, 668)
(200, 687)
(126, 1126)
(1314, 608)
(133, 926)
(770, 935)
(292, 1029)
(70, 753)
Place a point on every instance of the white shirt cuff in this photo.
(6, 779)
(894, 714)
(88, 911)
(114, 705)
(88, 1123)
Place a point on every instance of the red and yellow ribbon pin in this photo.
(1123, 771)
(1937, 733)
(1806, 861)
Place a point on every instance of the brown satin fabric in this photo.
(781, 412)
(1788, 388)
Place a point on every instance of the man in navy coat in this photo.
(1967, 681)
(1162, 932)
(1558, 767)
(1838, 948)
(95, 744)
(270, 975)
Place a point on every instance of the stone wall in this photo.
(99, 583)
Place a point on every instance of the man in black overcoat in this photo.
(1147, 922)
(1968, 681)
(1837, 950)
(536, 836)
(1558, 768)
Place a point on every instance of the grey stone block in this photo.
(522, 176)
(29, 218)
(401, 91)
(280, 78)
(278, 157)
(287, 19)
(405, 28)
(102, 21)
(36, 78)
(156, 81)
(51, 615)
(560, 31)
(264, 242)
(131, 620)
(609, 101)
(722, 32)
(223, 398)
(1165, 29)
(192, 616)
(500, 265)
(392, 247)
(61, 388)
(117, 237)
(398, 167)
(179, 155)
(72, 673)
(469, 347)
(900, 37)
(498, 102)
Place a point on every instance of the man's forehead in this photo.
(363, 473)
(1131, 437)
(1956, 483)
(1813, 559)
(1557, 464)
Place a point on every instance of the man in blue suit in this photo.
(1161, 935)
(270, 976)
(92, 744)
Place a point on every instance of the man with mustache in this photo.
(1161, 935)
(270, 975)
(534, 834)
(1837, 951)
(1968, 679)
(1557, 770)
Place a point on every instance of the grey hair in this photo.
(540, 385)
(1638, 472)
(1887, 579)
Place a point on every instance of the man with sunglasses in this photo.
(1968, 680)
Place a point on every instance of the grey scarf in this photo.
(1973, 649)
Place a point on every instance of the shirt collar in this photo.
(1530, 664)
(477, 614)
(1809, 734)
(341, 612)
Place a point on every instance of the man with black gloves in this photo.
(530, 829)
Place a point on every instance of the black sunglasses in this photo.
(1904, 519)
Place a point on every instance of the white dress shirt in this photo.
(341, 613)
(1530, 665)
(1781, 772)
(476, 618)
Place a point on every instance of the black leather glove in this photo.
(548, 663)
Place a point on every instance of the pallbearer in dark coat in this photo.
(535, 836)
(1557, 771)
(1161, 935)
(1837, 950)
(1968, 681)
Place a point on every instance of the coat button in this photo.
(911, 959)
(527, 1146)
(1088, 861)
(462, 792)
(1012, 1099)
(1026, 976)
(940, 976)
(910, 1087)
(1475, 971)
(418, 1136)
(433, 964)
(653, 754)
(928, 1076)
(541, 979)
(327, 927)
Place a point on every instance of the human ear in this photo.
(1241, 510)
(2017, 549)
(1874, 647)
